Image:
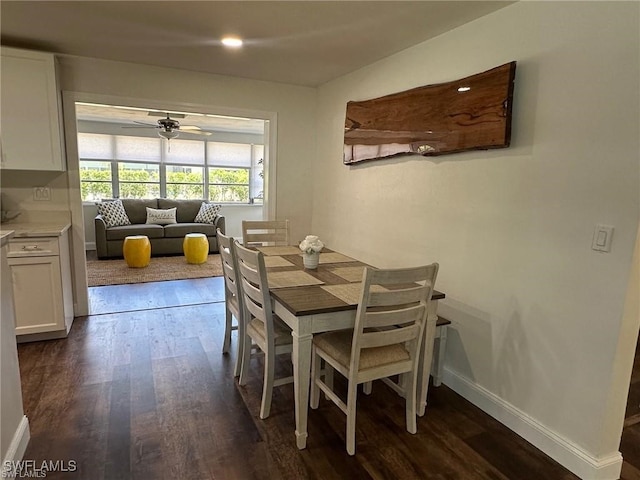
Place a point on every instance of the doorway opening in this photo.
(118, 148)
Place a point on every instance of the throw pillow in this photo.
(113, 213)
(161, 217)
(208, 213)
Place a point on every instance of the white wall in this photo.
(536, 313)
(17, 195)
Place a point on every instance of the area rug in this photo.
(116, 272)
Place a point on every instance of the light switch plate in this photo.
(602, 238)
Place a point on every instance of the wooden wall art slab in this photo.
(472, 113)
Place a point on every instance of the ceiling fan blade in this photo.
(190, 132)
(195, 132)
(193, 129)
(146, 124)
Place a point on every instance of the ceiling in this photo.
(297, 42)
(303, 43)
(134, 116)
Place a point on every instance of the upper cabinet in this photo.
(31, 136)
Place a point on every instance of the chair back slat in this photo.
(390, 337)
(256, 310)
(249, 272)
(265, 232)
(385, 318)
(407, 294)
(398, 276)
(249, 288)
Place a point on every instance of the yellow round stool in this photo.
(137, 251)
(195, 247)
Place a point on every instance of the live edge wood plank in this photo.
(466, 114)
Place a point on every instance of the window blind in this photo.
(229, 154)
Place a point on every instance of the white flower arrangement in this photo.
(311, 244)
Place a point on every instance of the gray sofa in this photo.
(165, 239)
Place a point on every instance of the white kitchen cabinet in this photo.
(41, 277)
(14, 434)
(31, 136)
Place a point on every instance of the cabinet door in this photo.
(37, 294)
(30, 118)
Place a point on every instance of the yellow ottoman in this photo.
(137, 251)
(195, 247)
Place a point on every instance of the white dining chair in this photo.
(265, 232)
(385, 341)
(232, 296)
(262, 327)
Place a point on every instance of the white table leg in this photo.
(426, 355)
(301, 381)
(438, 358)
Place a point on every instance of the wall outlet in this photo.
(42, 194)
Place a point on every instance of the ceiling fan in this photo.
(170, 127)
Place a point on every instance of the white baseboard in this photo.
(562, 450)
(18, 444)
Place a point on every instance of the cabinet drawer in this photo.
(33, 247)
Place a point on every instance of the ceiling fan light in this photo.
(168, 134)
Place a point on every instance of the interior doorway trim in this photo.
(70, 98)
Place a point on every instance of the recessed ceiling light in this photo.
(233, 42)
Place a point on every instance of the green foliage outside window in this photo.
(229, 175)
(95, 184)
(225, 184)
(138, 183)
(229, 185)
(229, 194)
(185, 185)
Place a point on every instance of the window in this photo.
(138, 180)
(144, 167)
(229, 178)
(184, 182)
(229, 185)
(96, 180)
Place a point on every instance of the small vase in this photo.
(311, 260)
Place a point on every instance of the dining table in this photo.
(313, 301)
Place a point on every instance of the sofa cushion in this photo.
(181, 229)
(186, 209)
(151, 231)
(113, 213)
(158, 216)
(136, 208)
(208, 213)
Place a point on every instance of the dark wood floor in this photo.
(146, 393)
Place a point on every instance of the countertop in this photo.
(24, 229)
(5, 235)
